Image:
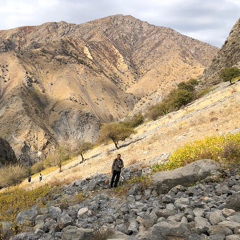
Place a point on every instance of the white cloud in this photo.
(209, 21)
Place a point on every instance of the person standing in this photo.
(116, 170)
(29, 179)
(40, 177)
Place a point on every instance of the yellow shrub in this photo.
(225, 148)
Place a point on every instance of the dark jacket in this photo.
(117, 165)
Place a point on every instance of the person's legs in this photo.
(117, 178)
(113, 176)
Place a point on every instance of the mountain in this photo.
(60, 81)
(228, 56)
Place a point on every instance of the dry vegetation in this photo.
(214, 114)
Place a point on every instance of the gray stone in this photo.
(133, 226)
(167, 229)
(217, 237)
(167, 199)
(181, 203)
(233, 237)
(6, 229)
(228, 212)
(217, 229)
(233, 202)
(64, 220)
(198, 212)
(54, 212)
(74, 233)
(193, 172)
(234, 218)
(27, 217)
(216, 217)
(201, 224)
(229, 224)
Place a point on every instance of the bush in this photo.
(229, 73)
(12, 175)
(37, 167)
(224, 148)
(56, 158)
(114, 131)
(135, 121)
(177, 98)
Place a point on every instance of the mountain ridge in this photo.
(60, 80)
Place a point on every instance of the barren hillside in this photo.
(59, 81)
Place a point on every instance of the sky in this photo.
(206, 20)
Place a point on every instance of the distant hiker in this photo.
(116, 170)
(29, 179)
(40, 177)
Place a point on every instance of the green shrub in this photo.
(177, 98)
(229, 73)
(11, 175)
(135, 121)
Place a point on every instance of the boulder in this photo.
(191, 173)
(27, 217)
(202, 225)
(64, 220)
(169, 229)
(233, 202)
(74, 233)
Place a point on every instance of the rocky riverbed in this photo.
(205, 206)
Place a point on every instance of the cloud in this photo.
(209, 21)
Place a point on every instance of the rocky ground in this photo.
(205, 206)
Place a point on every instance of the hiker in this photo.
(29, 179)
(116, 170)
(40, 177)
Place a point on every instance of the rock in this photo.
(217, 237)
(83, 211)
(133, 227)
(228, 212)
(202, 225)
(233, 237)
(54, 212)
(229, 224)
(74, 233)
(216, 217)
(64, 220)
(167, 229)
(181, 203)
(27, 217)
(164, 181)
(6, 229)
(233, 202)
(217, 229)
(167, 199)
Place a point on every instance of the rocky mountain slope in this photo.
(228, 56)
(59, 81)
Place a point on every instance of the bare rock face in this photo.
(61, 80)
(228, 56)
(7, 154)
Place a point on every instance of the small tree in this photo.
(228, 73)
(116, 132)
(57, 157)
(84, 147)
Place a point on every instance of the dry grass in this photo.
(162, 136)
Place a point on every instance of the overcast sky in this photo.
(207, 20)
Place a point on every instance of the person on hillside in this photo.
(40, 177)
(116, 170)
(29, 179)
